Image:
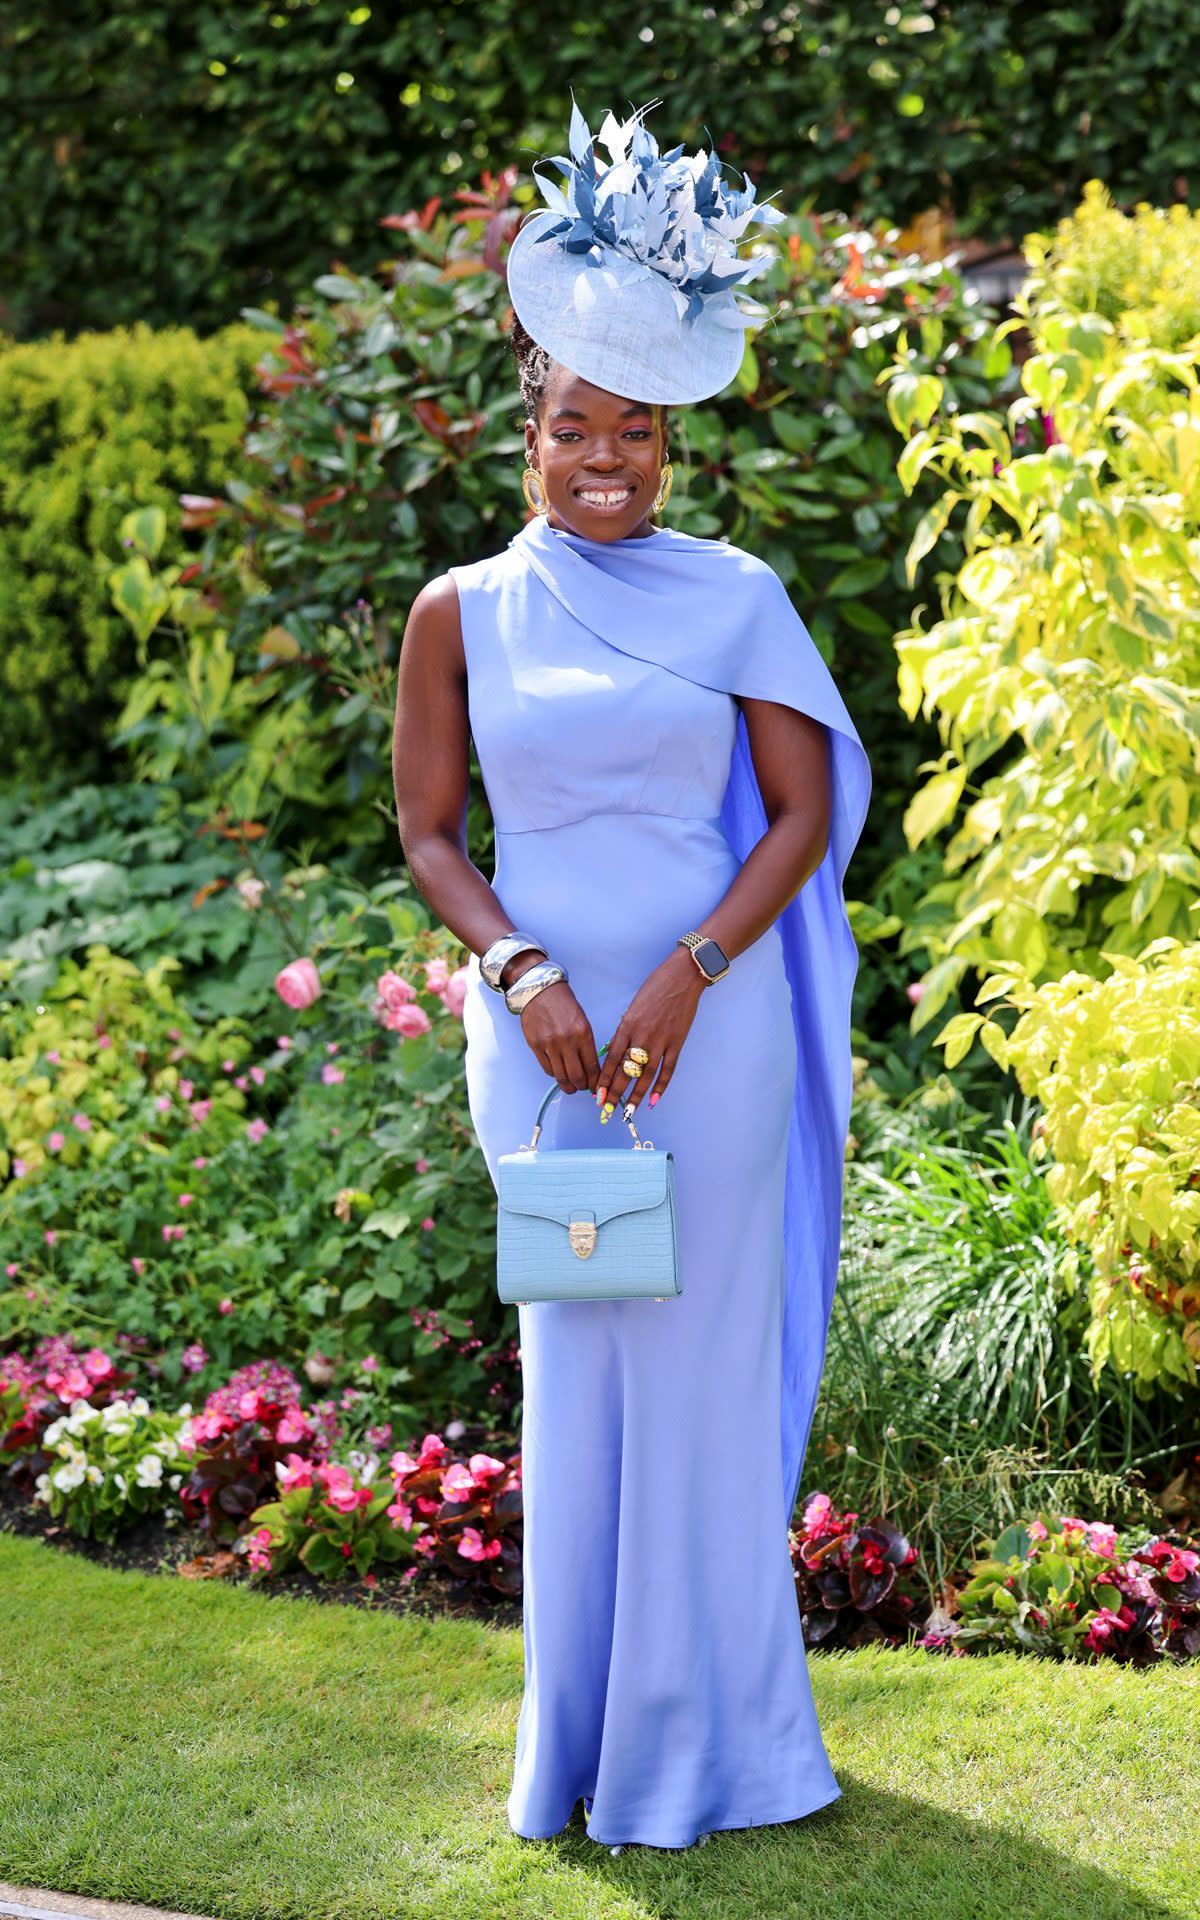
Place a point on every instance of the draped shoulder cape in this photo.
(722, 617)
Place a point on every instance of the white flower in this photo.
(174, 1481)
(51, 1435)
(67, 1478)
(95, 1476)
(119, 1483)
(80, 1409)
(42, 1486)
(140, 1406)
(149, 1471)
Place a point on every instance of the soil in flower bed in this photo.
(165, 1543)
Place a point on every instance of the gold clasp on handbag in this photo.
(581, 1231)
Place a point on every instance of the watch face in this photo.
(711, 959)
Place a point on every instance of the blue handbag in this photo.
(586, 1223)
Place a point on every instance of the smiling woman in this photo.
(676, 788)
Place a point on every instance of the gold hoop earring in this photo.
(664, 488)
(530, 478)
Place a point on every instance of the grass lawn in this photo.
(213, 1750)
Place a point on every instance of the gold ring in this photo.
(639, 1053)
(631, 1068)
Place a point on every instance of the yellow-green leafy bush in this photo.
(101, 1047)
(89, 429)
(1115, 1064)
(1064, 671)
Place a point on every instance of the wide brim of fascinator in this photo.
(627, 277)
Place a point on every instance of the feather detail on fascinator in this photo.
(628, 278)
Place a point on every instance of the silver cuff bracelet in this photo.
(543, 973)
(501, 951)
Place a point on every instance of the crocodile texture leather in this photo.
(629, 1195)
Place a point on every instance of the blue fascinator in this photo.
(628, 277)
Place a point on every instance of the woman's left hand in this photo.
(658, 1018)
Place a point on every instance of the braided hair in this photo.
(534, 369)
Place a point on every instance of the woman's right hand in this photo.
(558, 1030)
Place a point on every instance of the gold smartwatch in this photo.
(707, 954)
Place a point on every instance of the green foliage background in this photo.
(89, 429)
(173, 164)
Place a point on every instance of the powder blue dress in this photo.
(666, 1681)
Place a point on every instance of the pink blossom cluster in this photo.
(266, 1394)
(56, 1374)
(396, 1007)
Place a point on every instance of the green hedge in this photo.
(173, 164)
(89, 429)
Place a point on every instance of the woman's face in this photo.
(600, 457)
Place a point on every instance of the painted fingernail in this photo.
(607, 1113)
(601, 1095)
(629, 1109)
(653, 1098)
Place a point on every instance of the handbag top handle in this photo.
(548, 1097)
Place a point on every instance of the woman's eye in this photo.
(569, 433)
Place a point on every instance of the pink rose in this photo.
(437, 972)
(258, 1075)
(422, 1166)
(298, 984)
(331, 1075)
(226, 1306)
(81, 1121)
(56, 1142)
(393, 991)
(255, 1130)
(456, 992)
(408, 1021)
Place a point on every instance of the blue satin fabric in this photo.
(665, 1676)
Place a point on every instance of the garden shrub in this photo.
(1067, 652)
(1065, 1587)
(239, 1188)
(1123, 1126)
(109, 1465)
(90, 428)
(272, 139)
(954, 1383)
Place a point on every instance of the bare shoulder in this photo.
(435, 624)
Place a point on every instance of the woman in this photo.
(677, 788)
